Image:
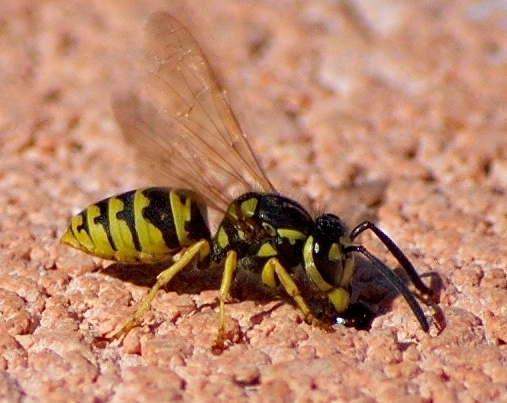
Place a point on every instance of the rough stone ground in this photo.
(404, 99)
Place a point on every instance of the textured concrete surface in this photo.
(394, 111)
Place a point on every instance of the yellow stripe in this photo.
(231, 211)
(77, 239)
(268, 273)
(291, 234)
(120, 232)
(335, 252)
(150, 237)
(222, 238)
(248, 207)
(340, 299)
(311, 269)
(266, 250)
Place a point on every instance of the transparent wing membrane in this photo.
(180, 121)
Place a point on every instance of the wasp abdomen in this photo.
(145, 225)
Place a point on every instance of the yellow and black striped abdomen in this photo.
(144, 225)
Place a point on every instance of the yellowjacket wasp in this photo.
(181, 123)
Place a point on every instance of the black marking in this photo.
(196, 227)
(84, 223)
(127, 215)
(159, 213)
(103, 220)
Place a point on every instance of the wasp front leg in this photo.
(272, 268)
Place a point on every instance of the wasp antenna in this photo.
(395, 281)
(395, 251)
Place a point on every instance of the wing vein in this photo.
(180, 122)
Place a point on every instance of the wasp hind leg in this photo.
(201, 249)
(272, 268)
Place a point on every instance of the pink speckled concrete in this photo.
(408, 95)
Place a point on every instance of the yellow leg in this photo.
(273, 267)
(229, 268)
(202, 247)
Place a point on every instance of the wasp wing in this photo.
(180, 121)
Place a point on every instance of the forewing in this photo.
(180, 121)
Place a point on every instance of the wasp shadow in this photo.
(190, 280)
(371, 288)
